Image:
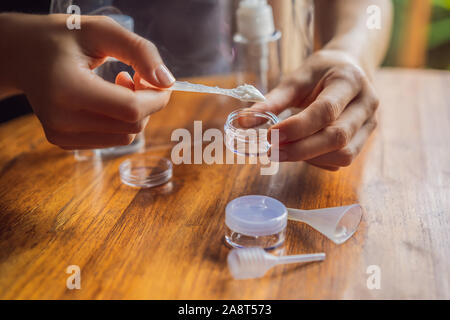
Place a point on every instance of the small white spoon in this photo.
(246, 92)
(249, 263)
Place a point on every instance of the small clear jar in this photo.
(145, 171)
(246, 131)
(255, 221)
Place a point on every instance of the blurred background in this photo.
(421, 34)
(420, 38)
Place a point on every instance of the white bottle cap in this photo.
(255, 19)
(256, 216)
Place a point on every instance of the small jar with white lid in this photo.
(255, 221)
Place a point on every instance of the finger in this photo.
(345, 156)
(141, 84)
(337, 93)
(88, 140)
(332, 138)
(277, 100)
(328, 168)
(124, 79)
(128, 47)
(93, 94)
(83, 121)
(288, 94)
(77, 148)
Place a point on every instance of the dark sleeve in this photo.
(13, 107)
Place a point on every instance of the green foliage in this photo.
(439, 33)
(445, 4)
(400, 7)
(438, 49)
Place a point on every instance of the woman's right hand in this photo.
(53, 66)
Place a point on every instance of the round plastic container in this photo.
(246, 131)
(255, 221)
(144, 171)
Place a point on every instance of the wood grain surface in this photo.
(167, 243)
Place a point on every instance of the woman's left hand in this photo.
(338, 105)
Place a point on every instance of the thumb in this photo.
(124, 79)
(107, 38)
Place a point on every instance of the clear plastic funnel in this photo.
(337, 224)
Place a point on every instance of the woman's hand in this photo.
(53, 67)
(338, 105)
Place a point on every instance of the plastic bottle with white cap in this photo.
(108, 71)
(257, 45)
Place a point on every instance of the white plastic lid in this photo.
(256, 216)
(255, 19)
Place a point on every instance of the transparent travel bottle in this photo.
(257, 45)
(108, 70)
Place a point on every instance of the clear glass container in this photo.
(255, 221)
(108, 70)
(246, 131)
(271, 38)
(146, 171)
(194, 38)
(195, 43)
(295, 20)
(259, 61)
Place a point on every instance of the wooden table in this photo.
(167, 243)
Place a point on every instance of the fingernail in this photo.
(146, 120)
(164, 76)
(128, 75)
(277, 155)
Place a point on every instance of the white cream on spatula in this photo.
(246, 92)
